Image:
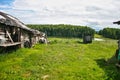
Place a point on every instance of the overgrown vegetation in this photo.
(64, 30)
(61, 59)
(113, 33)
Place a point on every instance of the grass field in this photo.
(61, 59)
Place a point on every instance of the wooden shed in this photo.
(87, 38)
(13, 32)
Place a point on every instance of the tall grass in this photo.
(61, 59)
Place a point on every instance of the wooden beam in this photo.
(10, 44)
(9, 36)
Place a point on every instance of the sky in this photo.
(97, 14)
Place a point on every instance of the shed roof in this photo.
(117, 22)
(13, 21)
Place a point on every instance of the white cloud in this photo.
(80, 12)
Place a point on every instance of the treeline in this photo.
(113, 33)
(62, 30)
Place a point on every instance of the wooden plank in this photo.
(9, 36)
(10, 44)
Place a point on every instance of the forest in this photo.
(62, 30)
(113, 33)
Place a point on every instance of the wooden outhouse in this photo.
(87, 38)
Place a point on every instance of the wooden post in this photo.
(19, 34)
(19, 37)
(5, 30)
(30, 39)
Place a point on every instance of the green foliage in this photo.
(62, 59)
(113, 33)
(64, 30)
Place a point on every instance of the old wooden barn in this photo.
(14, 33)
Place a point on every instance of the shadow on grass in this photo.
(80, 42)
(111, 71)
(9, 49)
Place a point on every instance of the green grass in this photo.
(98, 36)
(61, 59)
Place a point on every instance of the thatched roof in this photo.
(117, 22)
(13, 21)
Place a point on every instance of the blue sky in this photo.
(6, 2)
(94, 13)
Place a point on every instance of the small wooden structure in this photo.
(13, 32)
(87, 38)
